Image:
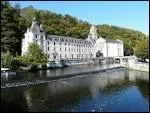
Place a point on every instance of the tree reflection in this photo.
(143, 86)
(12, 100)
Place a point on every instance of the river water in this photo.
(115, 90)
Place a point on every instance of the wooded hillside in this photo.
(15, 21)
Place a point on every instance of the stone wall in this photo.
(136, 65)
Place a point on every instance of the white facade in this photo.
(109, 48)
(60, 47)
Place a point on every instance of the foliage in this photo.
(142, 49)
(22, 60)
(35, 55)
(6, 60)
(66, 25)
(15, 64)
(15, 21)
(11, 30)
(128, 50)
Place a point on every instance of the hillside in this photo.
(66, 25)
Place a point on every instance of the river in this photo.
(115, 90)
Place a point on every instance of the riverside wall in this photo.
(136, 65)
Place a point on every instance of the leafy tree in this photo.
(142, 49)
(35, 55)
(6, 60)
(10, 32)
(15, 21)
(128, 50)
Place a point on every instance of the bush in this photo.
(33, 68)
(15, 64)
(6, 60)
(22, 60)
(35, 55)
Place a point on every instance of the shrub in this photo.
(35, 55)
(15, 64)
(6, 60)
(33, 68)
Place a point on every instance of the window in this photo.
(60, 49)
(60, 43)
(48, 43)
(65, 44)
(65, 56)
(35, 36)
(72, 56)
(42, 42)
(65, 49)
(54, 48)
(54, 43)
(48, 48)
(41, 37)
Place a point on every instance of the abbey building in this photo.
(60, 47)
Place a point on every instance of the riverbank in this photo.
(53, 78)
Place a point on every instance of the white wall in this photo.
(84, 49)
(71, 49)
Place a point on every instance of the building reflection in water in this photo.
(64, 95)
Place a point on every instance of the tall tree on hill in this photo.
(9, 28)
(13, 28)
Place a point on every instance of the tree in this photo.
(142, 50)
(10, 32)
(35, 55)
(15, 21)
(6, 60)
(127, 50)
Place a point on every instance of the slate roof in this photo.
(70, 39)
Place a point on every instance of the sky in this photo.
(127, 14)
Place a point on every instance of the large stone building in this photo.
(60, 47)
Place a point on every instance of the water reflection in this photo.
(13, 100)
(124, 90)
(45, 74)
